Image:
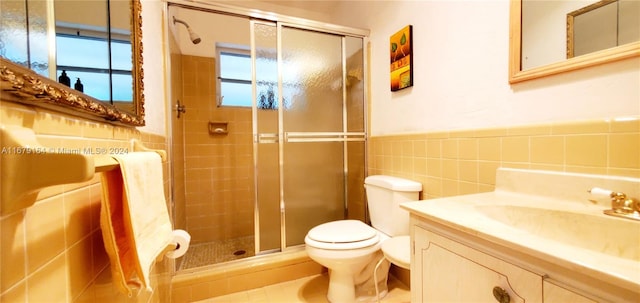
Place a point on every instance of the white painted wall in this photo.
(461, 72)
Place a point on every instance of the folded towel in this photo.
(134, 219)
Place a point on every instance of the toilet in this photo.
(350, 249)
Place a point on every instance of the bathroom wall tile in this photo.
(466, 188)
(633, 173)
(489, 149)
(586, 150)
(490, 132)
(625, 125)
(582, 127)
(44, 230)
(99, 256)
(406, 148)
(450, 148)
(80, 268)
(515, 149)
(420, 166)
(420, 148)
(437, 135)
(586, 169)
(434, 148)
(529, 130)
(468, 149)
(487, 172)
(49, 284)
(543, 166)
(407, 165)
(434, 168)
(547, 149)
(78, 215)
(624, 150)
(450, 169)
(450, 188)
(468, 171)
(47, 122)
(92, 129)
(13, 257)
(12, 113)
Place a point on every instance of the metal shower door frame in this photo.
(283, 137)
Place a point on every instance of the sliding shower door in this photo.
(301, 131)
(312, 117)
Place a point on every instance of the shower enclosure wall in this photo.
(293, 157)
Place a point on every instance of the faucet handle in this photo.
(597, 191)
(620, 203)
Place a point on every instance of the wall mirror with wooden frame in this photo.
(538, 41)
(80, 57)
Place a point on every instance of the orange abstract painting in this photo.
(401, 59)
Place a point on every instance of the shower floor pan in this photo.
(204, 254)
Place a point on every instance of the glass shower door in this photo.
(301, 131)
(312, 117)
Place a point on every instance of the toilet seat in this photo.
(341, 235)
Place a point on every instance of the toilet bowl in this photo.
(350, 249)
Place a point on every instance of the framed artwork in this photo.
(401, 59)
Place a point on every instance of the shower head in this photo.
(192, 35)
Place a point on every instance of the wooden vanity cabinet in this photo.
(444, 269)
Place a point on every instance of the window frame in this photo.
(92, 35)
(241, 51)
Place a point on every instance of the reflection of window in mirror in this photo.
(94, 48)
(87, 58)
(602, 25)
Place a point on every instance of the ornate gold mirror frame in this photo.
(20, 84)
(516, 74)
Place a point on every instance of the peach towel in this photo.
(135, 223)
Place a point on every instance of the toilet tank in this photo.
(384, 195)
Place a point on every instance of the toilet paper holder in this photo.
(28, 166)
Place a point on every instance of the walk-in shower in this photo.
(273, 139)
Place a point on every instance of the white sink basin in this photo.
(597, 232)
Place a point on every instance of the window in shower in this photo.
(234, 79)
(234, 76)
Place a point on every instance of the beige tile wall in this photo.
(464, 162)
(53, 250)
(218, 168)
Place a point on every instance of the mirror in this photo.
(103, 84)
(539, 49)
(602, 25)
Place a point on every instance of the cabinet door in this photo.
(557, 294)
(447, 271)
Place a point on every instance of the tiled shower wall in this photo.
(53, 250)
(464, 162)
(218, 167)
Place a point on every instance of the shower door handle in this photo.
(266, 138)
(324, 136)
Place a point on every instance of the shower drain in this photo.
(239, 252)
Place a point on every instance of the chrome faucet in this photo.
(621, 205)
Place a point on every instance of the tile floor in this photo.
(312, 289)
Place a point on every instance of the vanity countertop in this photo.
(574, 236)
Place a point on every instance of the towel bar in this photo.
(27, 166)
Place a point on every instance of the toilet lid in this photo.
(343, 231)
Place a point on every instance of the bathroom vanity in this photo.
(539, 237)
